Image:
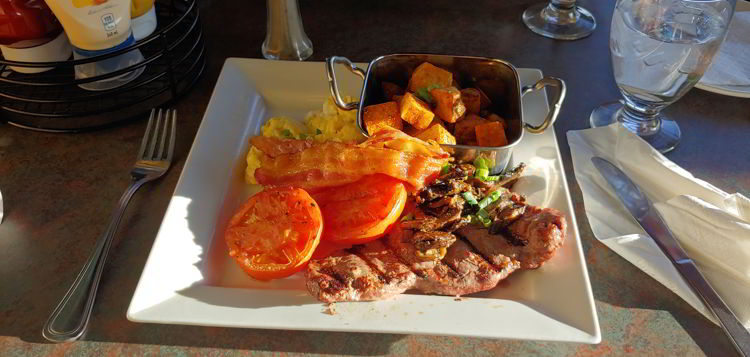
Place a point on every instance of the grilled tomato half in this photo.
(361, 211)
(275, 232)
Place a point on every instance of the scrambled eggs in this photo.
(331, 123)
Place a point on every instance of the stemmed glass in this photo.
(660, 49)
(559, 19)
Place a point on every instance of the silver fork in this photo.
(71, 316)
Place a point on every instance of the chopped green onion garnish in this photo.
(286, 133)
(303, 136)
(482, 163)
(470, 198)
(481, 174)
(318, 132)
(476, 220)
(424, 93)
(484, 217)
(446, 168)
(492, 197)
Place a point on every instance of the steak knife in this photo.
(649, 218)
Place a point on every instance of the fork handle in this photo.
(71, 316)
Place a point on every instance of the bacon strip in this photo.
(312, 165)
(274, 147)
(398, 140)
(332, 164)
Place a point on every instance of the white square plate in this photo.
(189, 278)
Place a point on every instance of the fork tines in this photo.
(159, 135)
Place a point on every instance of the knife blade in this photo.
(642, 209)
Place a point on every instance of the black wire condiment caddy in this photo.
(174, 58)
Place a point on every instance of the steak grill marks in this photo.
(373, 272)
(521, 236)
(384, 268)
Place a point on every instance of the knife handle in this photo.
(732, 326)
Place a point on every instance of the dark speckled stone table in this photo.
(59, 190)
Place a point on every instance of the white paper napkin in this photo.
(712, 225)
(1, 207)
(731, 66)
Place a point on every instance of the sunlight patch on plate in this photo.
(181, 269)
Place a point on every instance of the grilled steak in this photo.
(378, 270)
(463, 271)
(373, 274)
(519, 236)
(401, 242)
(531, 239)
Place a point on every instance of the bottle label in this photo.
(91, 53)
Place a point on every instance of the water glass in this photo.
(660, 50)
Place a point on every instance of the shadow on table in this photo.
(337, 343)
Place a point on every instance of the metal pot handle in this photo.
(334, 87)
(555, 110)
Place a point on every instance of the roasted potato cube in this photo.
(449, 106)
(426, 75)
(379, 116)
(391, 90)
(412, 131)
(491, 134)
(415, 112)
(449, 126)
(438, 133)
(472, 99)
(484, 100)
(497, 118)
(464, 130)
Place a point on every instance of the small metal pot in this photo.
(496, 78)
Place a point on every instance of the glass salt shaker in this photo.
(285, 35)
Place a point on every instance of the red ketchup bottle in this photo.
(30, 32)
